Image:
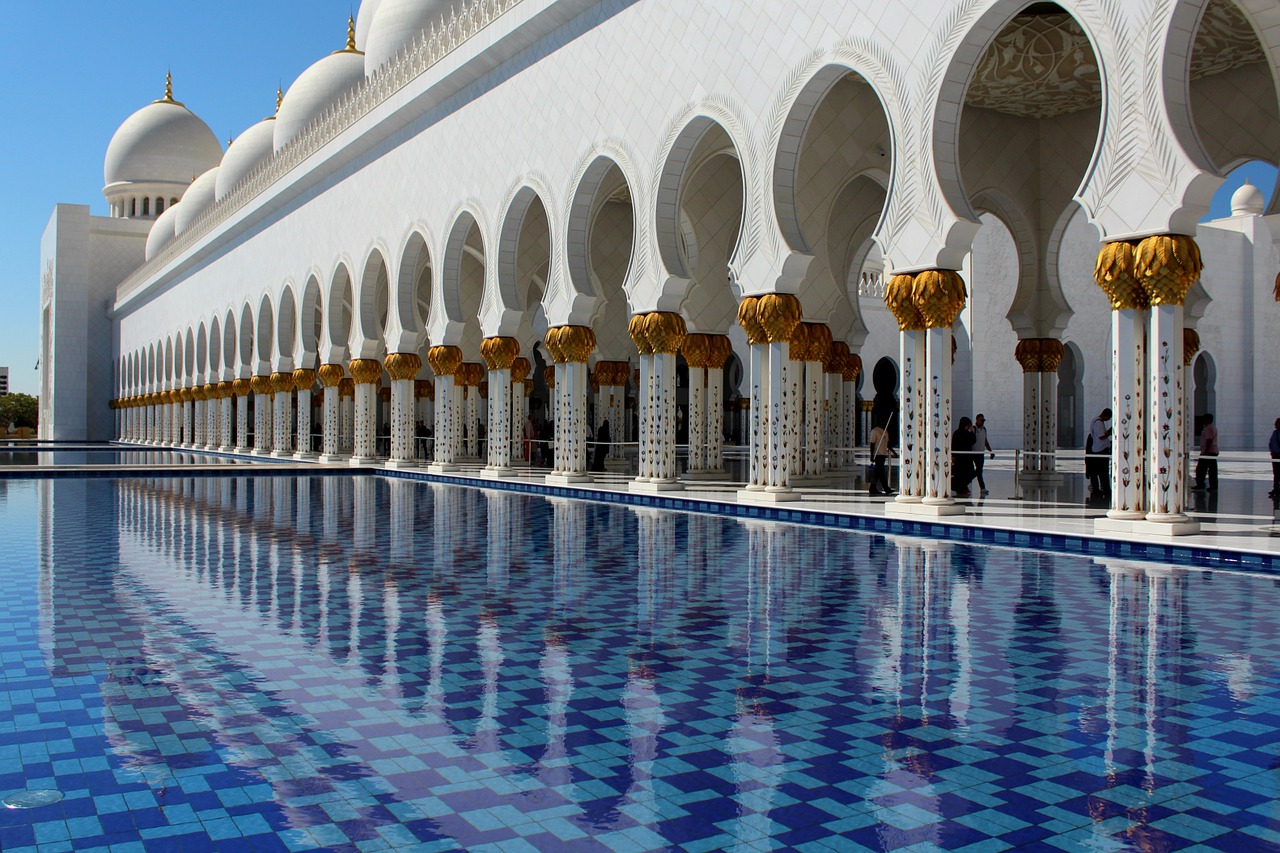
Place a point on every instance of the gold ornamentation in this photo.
(799, 343)
(1114, 273)
(384, 394)
(549, 376)
(281, 383)
(351, 48)
(331, 374)
(721, 349)
(346, 387)
(365, 371)
(1027, 352)
(640, 337)
(304, 378)
(520, 369)
(1190, 346)
(241, 387)
(470, 374)
(1166, 265)
(528, 388)
(444, 360)
(576, 343)
(778, 314)
(168, 91)
(665, 331)
(697, 350)
(851, 368)
(499, 353)
(224, 390)
(836, 355)
(938, 296)
(749, 320)
(424, 388)
(1051, 353)
(260, 384)
(403, 365)
(819, 341)
(1277, 290)
(898, 296)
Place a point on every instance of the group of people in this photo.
(969, 449)
(539, 440)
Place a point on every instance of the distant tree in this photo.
(20, 410)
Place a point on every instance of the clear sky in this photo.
(78, 68)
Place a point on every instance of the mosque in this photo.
(704, 223)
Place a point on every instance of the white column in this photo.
(777, 402)
(577, 389)
(347, 422)
(793, 414)
(645, 402)
(938, 438)
(911, 355)
(500, 419)
(519, 405)
(759, 453)
(262, 420)
(330, 424)
(366, 428)
(303, 443)
(1030, 422)
(697, 419)
(715, 419)
(833, 415)
(282, 427)
(849, 418)
(664, 452)
(815, 432)
(242, 422)
(402, 430)
(445, 421)
(1166, 446)
(224, 429)
(1128, 360)
(192, 427)
(1048, 421)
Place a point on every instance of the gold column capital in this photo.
(444, 360)
(499, 352)
(331, 374)
(749, 320)
(939, 295)
(900, 299)
(365, 371)
(1167, 265)
(1114, 273)
(1190, 346)
(778, 314)
(520, 369)
(304, 378)
(403, 365)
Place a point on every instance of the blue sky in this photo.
(77, 69)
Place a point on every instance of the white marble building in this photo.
(630, 172)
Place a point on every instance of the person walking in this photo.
(602, 446)
(983, 447)
(880, 458)
(1274, 447)
(963, 441)
(1207, 464)
(1098, 452)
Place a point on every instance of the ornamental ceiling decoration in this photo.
(1042, 65)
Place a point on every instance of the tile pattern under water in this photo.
(363, 664)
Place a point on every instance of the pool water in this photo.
(109, 456)
(357, 663)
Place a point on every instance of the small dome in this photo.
(398, 24)
(163, 142)
(248, 152)
(316, 89)
(162, 232)
(1247, 201)
(364, 20)
(196, 200)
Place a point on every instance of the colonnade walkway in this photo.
(1239, 518)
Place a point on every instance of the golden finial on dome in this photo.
(351, 37)
(279, 98)
(168, 91)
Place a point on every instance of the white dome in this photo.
(1247, 201)
(162, 232)
(398, 24)
(314, 90)
(364, 20)
(163, 142)
(248, 152)
(196, 200)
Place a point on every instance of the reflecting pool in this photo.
(48, 455)
(359, 663)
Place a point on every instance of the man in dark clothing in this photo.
(1274, 447)
(963, 440)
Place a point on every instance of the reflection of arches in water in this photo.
(1205, 397)
(1071, 397)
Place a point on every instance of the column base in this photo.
(402, 463)
(362, 461)
(226, 448)
(707, 474)
(498, 472)
(442, 468)
(259, 452)
(654, 486)
(306, 455)
(1160, 529)
(332, 457)
(917, 509)
(565, 479)
(282, 454)
(767, 496)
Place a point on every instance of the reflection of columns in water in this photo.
(489, 647)
(302, 517)
(645, 716)
(569, 545)
(449, 520)
(282, 501)
(556, 674)
(766, 562)
(331, 508)
(757, 765)
(499, 535)
(364, 514)
(392, 618)
(658, 599)
(437, 625)
(401, 521)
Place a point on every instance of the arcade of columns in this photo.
(802, 396)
